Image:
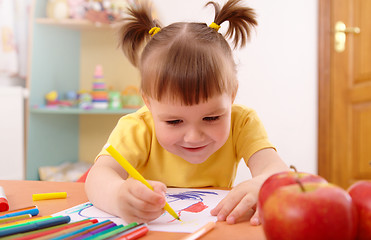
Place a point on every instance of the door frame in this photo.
(324, 88)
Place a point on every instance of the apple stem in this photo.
(294, 168)
(300, 184)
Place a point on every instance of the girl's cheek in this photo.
(168, 135)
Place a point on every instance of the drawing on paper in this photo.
(185, 201)
(193, 206)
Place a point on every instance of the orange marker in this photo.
(18, 210)
(200, 232)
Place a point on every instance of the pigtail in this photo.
(241, 20)
(135, 28)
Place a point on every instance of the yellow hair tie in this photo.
(214, 26)
(154, 30)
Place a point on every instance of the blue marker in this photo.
(33, 212)
(35, 225)
(70, 234)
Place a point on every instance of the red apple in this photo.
(283, 179)
(309, 211)
(361, 195)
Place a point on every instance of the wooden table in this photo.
(19, 194)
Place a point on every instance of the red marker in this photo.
(135, 234)
(4, 206)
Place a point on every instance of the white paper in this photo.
(192, 205)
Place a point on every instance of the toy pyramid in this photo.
(99, 93)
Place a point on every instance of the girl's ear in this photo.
(233, 97)
(234, 94)
(146, 101)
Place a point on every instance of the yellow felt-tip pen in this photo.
(45, 196)
(135, 174)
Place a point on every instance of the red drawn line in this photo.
(194, 208)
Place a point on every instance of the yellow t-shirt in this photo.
(134, 137)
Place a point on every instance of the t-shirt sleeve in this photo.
(131, 138)
(249, 133)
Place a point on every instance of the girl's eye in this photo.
(174, 122)
(211, 119)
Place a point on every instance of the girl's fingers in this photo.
(215, 211)
(138, 203)
(221, 205)
(227, 205)
(242, 211)
(145, 216)
(255, 221)
(140, 217)
(158, 186)
(238, 205)
(144, 198)
(142, 203)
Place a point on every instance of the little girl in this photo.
(189, 134)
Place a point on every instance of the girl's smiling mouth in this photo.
(194, 149)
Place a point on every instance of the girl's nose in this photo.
(193, 135)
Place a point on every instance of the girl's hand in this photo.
(240, 204)
(138, 203)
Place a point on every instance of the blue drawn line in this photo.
(81, 214)
(77, 209)
(196, 195)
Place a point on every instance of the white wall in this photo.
(278, 78)
(277, 72)
(11, 133)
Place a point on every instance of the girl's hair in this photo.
(186, 61)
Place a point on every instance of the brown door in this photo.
(344, 136)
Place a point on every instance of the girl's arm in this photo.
(240, 203)
(109, 188)
(266, 162)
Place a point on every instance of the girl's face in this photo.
(192, 132)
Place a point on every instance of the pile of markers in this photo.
(22, 224)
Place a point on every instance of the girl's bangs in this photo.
(189, 74)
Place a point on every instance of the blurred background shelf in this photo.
(46, 110)
(63, 56)
(78, 24)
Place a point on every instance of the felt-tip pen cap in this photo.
(4, 206)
